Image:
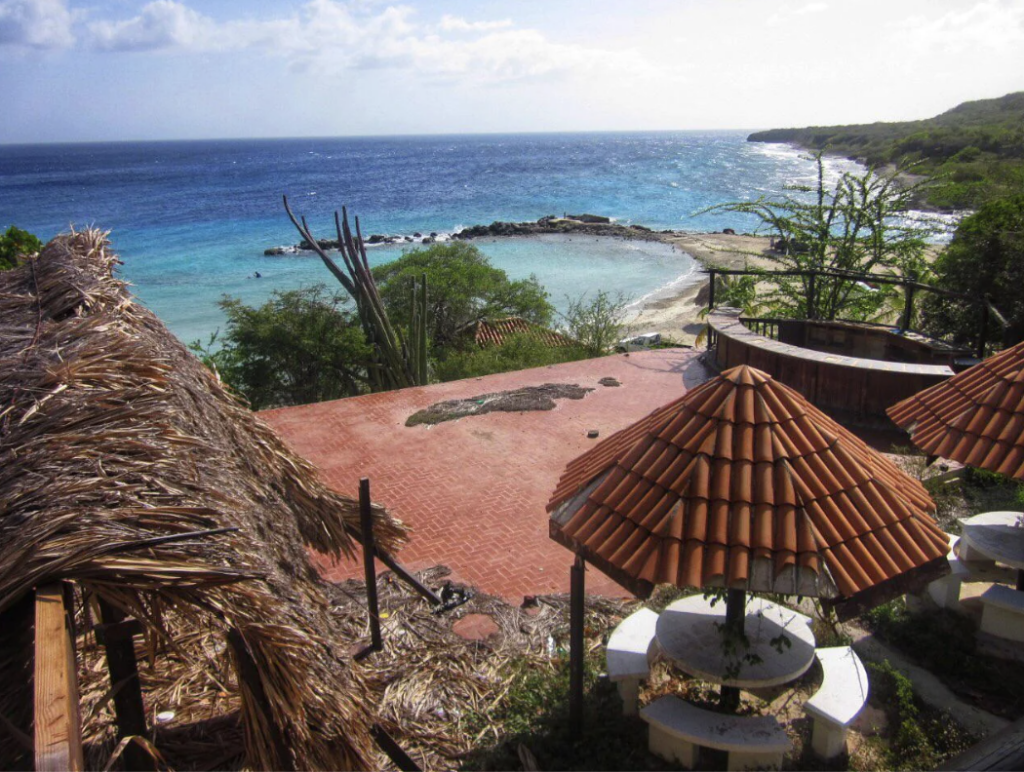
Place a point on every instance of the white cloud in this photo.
(458, 24)
(811, 8)
(987, 26)
(161, 24)
(36, 23)
(330, 36)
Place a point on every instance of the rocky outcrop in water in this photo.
(583, 224)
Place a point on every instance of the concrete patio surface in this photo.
(474, 490)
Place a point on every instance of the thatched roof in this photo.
(112, 434)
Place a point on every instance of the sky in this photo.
(104, 70)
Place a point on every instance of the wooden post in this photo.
(129, 710)
(249, 674)
(369, 567)
(908, 307)
(711, 290)
(58, 726)
(576, 654)
(735, 616)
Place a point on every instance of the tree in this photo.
(856, 227)
(301, 346)
(985, 257)
(596, 324)
(15, 244)
(464, 287)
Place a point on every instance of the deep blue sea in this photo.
(190, 220)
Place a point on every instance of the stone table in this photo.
(997, 536)
(690, 633)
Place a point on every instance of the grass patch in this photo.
(943, 642)
(534, 715)
(919, 737)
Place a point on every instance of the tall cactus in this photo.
(397, 363)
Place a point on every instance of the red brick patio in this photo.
(474, 490)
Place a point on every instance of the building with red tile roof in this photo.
(976, 417)
(497, 332)
(741, 483)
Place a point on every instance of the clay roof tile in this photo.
(739, 470)
(968, 418)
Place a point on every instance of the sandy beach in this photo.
(678, 317)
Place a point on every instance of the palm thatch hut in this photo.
(114, 443)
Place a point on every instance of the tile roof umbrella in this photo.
(742, 484)
(976, 417)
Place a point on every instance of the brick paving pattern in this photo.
(474, 490)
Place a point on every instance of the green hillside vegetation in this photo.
(974, 153)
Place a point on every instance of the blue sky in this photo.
(183, 69)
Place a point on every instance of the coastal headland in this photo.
(676, 316)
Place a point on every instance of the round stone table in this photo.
(997, 536)
(690, 633)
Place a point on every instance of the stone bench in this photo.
(627, 659)
(1003, 613)
(838, 701)
(677, 729)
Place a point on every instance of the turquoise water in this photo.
(190, 220)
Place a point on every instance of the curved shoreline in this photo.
(676, 316)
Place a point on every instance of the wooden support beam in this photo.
(369, 567)
(115, 633)
(249, 675)
(58, 725)
(406, 576)
(394, 751)
(577, 594)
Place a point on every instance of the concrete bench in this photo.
(946, 591)
(838, 701)
(628, 659)
(1003, 613)
(677, 729)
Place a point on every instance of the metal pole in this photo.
(711, 291)
(369, 568)
(735, 616)
(576, 595)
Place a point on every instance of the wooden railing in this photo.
(987, 313)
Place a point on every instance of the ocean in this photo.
(190, 220)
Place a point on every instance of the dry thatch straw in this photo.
(112, 434)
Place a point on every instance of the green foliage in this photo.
(596, 323)
(853, 227)
(985, 257)
(464, 287)
(944, 643)
(534, 712)
(14, 244)
(300, 346)
(519, 352)
(974, 152)
(919, 738)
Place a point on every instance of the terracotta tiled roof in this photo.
(743, 483)
(976, 417)
(494, 332)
